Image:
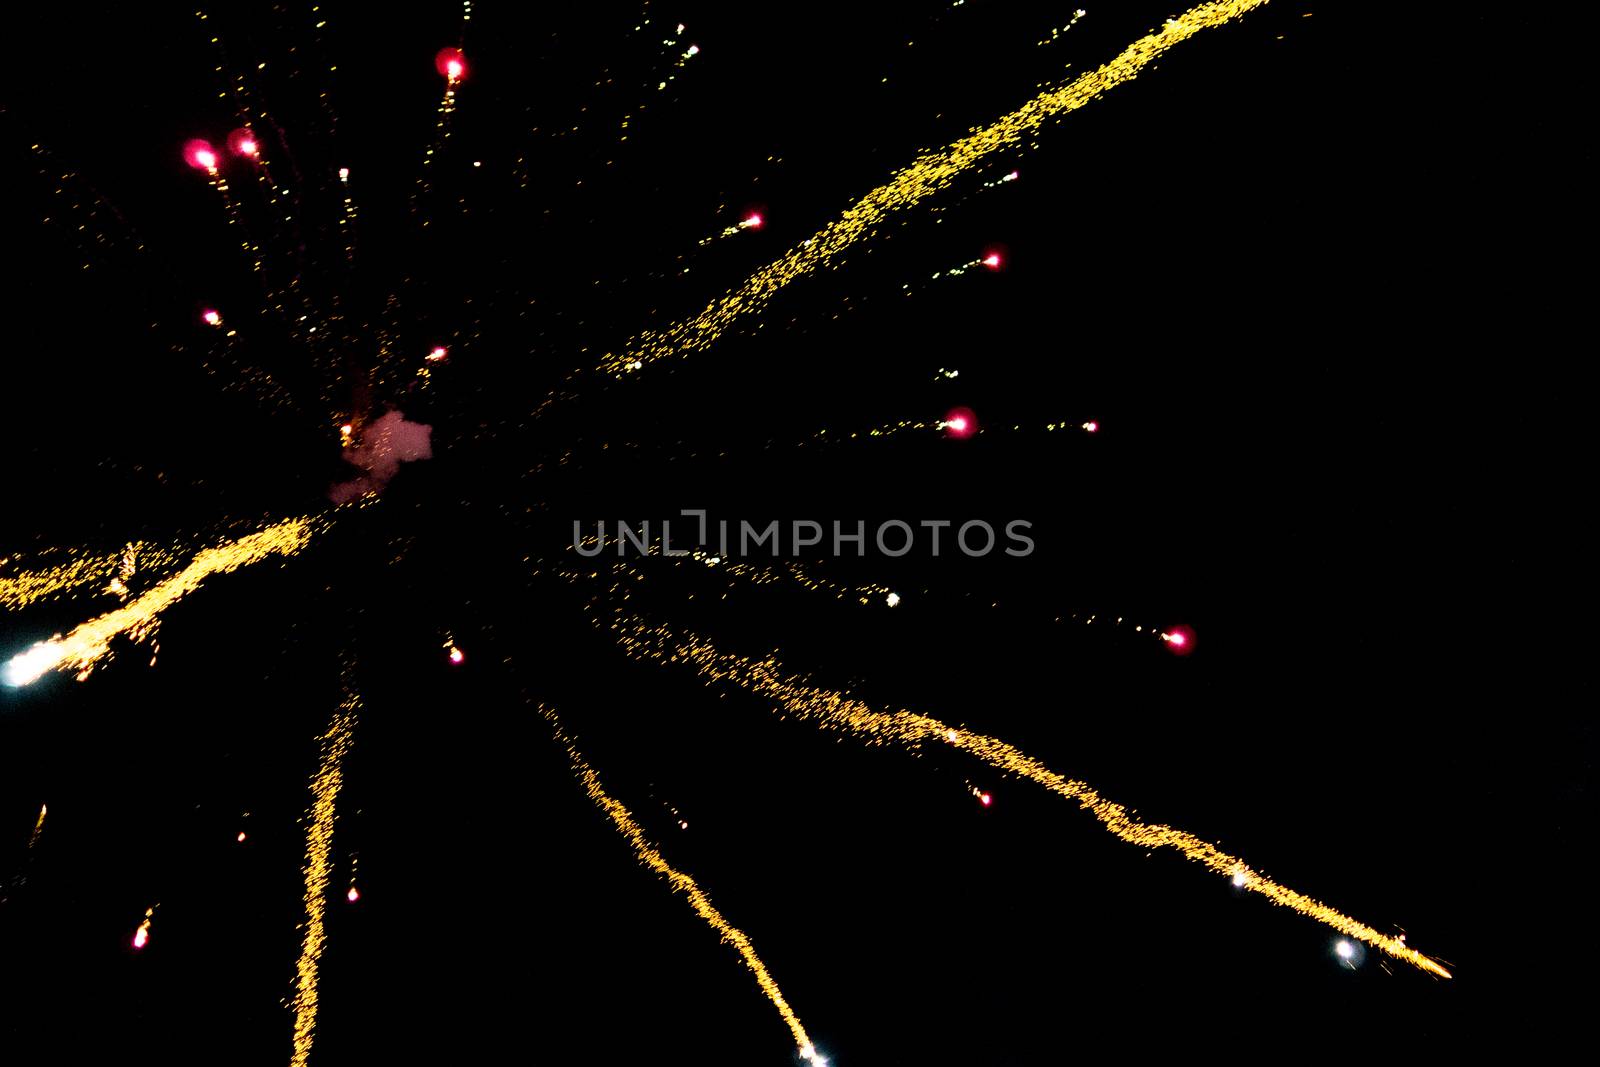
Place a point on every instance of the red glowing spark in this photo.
(211, 317)
(141, 936)
(456, 655)
(353, 896)
(243, 143)
(1180, 640)
(985, 799)
(200, 155)
(451, 64)
(1091, 427)
(992, 261)
(961, 422)
(438, 353)
(753, 221)
(241, 837)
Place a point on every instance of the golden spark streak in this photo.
(23, 588)
(89, 642)
(650, 857)
(335, 744)
(837, 711)
(38, 827)
(930, 173)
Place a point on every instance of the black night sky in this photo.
(1318, 277)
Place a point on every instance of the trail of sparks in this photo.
(91, 641)
(650, 857)
(836, 711)
(335, 745)
(929, 174)
(38, 827)
(23, 588)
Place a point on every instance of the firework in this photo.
(836, 711)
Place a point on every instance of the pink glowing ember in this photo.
(200, 155)
(961, 422)
(243, 143)
(451, 64)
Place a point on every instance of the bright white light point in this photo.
(1091, 427)
(456, 655)
(951, 735)
(893, 600)
(208, 160)
(344, 174)
(753, 221)
(992, 260)
(958, 423)
(141, 937)
(241, 837)
(453, 69)
(694, 50)
(1345, 950)
(1239, 878)
(438, 353)
(354, 895)
(212, 317)
(476, 163)
(27, 667)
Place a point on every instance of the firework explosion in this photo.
(311, 345)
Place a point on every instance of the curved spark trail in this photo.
(929, 174)
(335, 744)
(649, 856)
(836, 711)
(89, 642)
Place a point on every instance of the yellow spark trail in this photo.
(930, 173)
(89, 642)
(335, 744)
(649, 856)
(837, 711)
(38, 827)
(26, 587)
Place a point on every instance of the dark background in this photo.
(1312, 273)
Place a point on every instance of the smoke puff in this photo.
(387, 443)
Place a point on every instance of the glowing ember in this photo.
(200, 155)
(243, 143)
(451, 64)
(961, 422)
